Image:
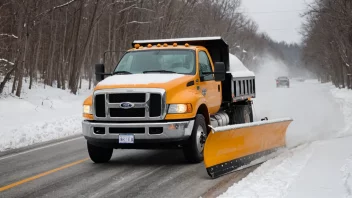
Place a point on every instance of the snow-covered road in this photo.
(318, 161)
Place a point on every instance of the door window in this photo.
(204, 66)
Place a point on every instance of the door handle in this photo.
(204, 92)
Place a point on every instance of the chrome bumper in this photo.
(171, 130)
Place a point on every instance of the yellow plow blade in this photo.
(230, 147)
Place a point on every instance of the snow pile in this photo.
(344, 98)
(267, 181)
(41, 114)
(347, 176)
(318, 160)
(237, 68)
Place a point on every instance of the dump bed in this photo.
(239, 83)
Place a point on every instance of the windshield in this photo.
(171, 61)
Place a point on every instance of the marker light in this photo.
(175, 44)
(149, 45)
(136, 46)
(165, 44)
(158, 45)
(187, 45)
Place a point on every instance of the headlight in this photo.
(87, 109)
(180, 108)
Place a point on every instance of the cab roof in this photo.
(216, 46)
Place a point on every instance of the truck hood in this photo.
(155, 80)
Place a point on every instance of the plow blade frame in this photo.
(230, 147)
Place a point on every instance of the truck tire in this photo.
(242, 114)
(99, 154)
(193, 150)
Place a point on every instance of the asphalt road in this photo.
(64, 170)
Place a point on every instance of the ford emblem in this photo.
(126, 105)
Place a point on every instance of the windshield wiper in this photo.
(158, 71)
(121, 72)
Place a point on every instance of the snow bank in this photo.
(272, 178)
(41, 114)
(318, 161)
(346, 171)
(344, 98)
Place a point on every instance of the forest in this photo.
(327, 44)
(58, 42)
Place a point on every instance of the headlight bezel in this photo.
(179, 108)
(87, 109)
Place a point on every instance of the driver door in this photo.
(209, 88)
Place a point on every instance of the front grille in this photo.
(155, 105)
(127, 97)
(125, 113)
(100, 105)
(127, 130)
(144, 104)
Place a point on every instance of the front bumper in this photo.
(170, 130)
(283, 83)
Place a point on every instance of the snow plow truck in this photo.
(184, 93)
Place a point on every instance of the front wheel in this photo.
(193, 150)
(99, 154)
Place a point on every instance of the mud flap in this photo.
(230, 147)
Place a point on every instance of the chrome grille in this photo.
(129, 104)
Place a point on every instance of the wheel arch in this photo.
(203, 109)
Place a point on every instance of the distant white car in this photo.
(283, 81)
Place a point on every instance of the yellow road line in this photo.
(41, 175)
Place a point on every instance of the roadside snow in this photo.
(267, 181)
(346, 171)
(318, 159)
(344, 98)
(41, 114)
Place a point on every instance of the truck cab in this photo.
(165, 94)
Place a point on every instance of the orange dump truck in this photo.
(178, 93)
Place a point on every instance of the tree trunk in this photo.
(20, 77)
(14, 85)
(73, 80)
(80, 82)
(7, 78)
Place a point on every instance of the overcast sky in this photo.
(279, 18)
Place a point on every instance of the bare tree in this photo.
(59, 41)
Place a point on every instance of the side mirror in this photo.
(99, 72)
(220, 71)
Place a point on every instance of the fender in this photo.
(185, 96)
